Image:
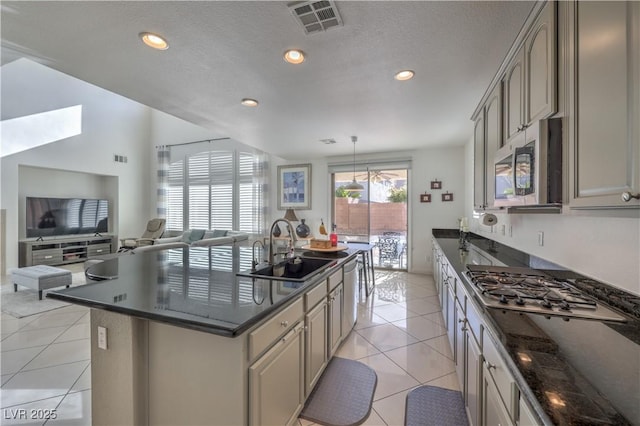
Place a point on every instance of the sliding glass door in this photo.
(377, 214)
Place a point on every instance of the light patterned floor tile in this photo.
(32, 413)
(441, 344)
(391, 409)
(366, 319)
(75, 332)
(422, 306)
(61, 353)
(374, 419)
(435, 317)
(394, 312)
(420, 328)
(54, 320)
(43, 383)
(32, 338)
(391, 378)
(422, 362)
(13, 361)
(386, 337)
(355, 347)
(450, 381)
(74, 410)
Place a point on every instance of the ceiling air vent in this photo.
(316, 16)
(328, 141)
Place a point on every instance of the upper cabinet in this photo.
(540, 60)
(604, 135)
(494, 141)
(479, 168)
(530, 78)
(514, 97)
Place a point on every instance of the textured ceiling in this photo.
(221, 52)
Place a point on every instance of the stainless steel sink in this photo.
(288, 271)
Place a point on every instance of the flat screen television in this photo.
(48, 217)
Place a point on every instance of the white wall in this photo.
(111, 125)
(602, 247)
(444, 164)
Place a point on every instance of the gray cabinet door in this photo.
(276, 382)
(513, 84)
(540, 60)
(605, 139)
(473, 387)
(494, 413)
(494, 141)
(479, 161)
(316, 345)
(335, 319)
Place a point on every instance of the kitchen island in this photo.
(525, 368)
(177, 337)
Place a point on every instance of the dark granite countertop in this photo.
(574, 372)
(193, 287)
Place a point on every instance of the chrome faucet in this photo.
(292, 233)
(254, 262)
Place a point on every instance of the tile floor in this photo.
(399, 333)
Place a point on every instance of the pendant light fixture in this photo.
(354, 186)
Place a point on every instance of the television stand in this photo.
(63, 250)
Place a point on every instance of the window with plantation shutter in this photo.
(215, 190)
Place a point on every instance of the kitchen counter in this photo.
(572, 372)
(194, 287)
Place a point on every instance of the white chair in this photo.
(154, 230)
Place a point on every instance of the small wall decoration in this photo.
(447, 196)
(425, 198)
(294, 186)
(436, 184)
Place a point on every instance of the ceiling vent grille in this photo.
(316, 16)
(328, 141)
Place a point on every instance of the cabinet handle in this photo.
(462, 320)
(463, 329)
(490, 366)
(284, 323)
(48, 257)
(627, 196)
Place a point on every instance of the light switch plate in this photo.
(102, 338)
(541, 238)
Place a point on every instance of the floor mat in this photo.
(434, 406)
(343, 395)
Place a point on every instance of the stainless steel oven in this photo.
(528, 170)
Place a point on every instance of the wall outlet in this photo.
(102, 338)
(540, 238)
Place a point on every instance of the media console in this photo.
(60, 251)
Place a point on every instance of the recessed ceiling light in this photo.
(249, 102)
(154, 40)
(404, 75)
(294, 56)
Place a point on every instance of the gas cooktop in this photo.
(533, 291)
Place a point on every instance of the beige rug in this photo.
(25, 302)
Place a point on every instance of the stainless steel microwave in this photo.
(528, 170)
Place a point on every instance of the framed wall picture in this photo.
(436, 184)
(294, 187)
(425, 198)
(447, 197)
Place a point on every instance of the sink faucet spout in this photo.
(292, 233)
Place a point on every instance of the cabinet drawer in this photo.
(261, 338)
(334, 279)
(312, 297)
(45, 257)
(498, 369)
(99, 249)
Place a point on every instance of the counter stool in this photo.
(366, 273)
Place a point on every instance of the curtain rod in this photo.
(189, 143)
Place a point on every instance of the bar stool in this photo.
(366, 273)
